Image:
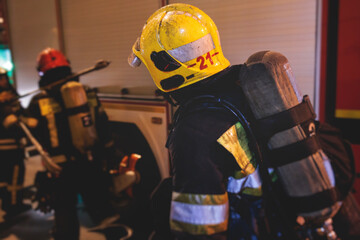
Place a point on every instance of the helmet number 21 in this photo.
(203, 61)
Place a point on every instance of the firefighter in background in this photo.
(73, 129)
(12, 143)
(206, 147)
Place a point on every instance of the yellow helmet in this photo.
(180, 46)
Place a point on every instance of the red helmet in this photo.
(50, 58)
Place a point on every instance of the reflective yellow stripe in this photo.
(7, 141)
(14, 188)
(201, 199)
(198, 229)
(8, 144)
(49, 106)
(9, 147)
(199, 213)
(253, 191)
(344, 113)
(235, 141)
(92, 100)
(54, 139)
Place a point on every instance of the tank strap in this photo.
(293, 152)
(301, 113)
(266, 127)
(320, 200)
(79, 109)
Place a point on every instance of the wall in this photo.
(33, 27)
(95, 29)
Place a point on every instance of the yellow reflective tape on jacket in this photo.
(8, 144)
(235, 141)
(199, 214)
(247, 180)
(49, 106)
(92, 98)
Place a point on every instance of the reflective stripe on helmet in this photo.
(194, 49)
(199, 213)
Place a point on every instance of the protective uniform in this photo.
(73, 130)
(12, 143)
(212, 163)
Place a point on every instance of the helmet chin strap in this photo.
(168, 98)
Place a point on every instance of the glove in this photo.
(11, 124)
(6, 96)
(126, 175)
(10, 120)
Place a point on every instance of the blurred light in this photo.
(6, 60)
(7, 65)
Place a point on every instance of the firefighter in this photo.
(219, 183)
(73, 129)
(207, 147)
(12, 143)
